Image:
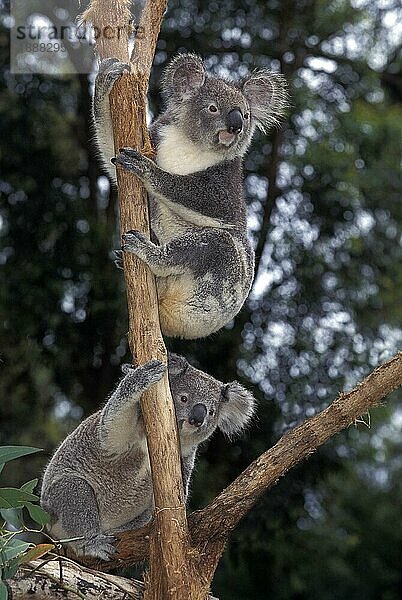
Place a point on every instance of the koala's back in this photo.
(122, 483)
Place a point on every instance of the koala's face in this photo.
(197, 398)
(219, 115)
(203, 403)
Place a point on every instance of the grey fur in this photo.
(110, 70)
(203, 259)
(99, 482)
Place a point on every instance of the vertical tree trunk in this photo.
(170, 567)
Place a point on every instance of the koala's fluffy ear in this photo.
(183, 75)
(177, 365)
(267, 95)
(236, 409)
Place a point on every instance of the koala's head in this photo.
(219, 114)
(203, 403)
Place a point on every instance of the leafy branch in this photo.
(13, 503)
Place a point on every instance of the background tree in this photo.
(325, 204)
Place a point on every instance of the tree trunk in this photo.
(170, 566)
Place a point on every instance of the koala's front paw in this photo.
(141, 378)
(134, 161)
(110, 70)
(134, 241)
(118, 261)
(100, 546)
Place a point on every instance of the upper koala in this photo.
(99, 481)
(203, 259)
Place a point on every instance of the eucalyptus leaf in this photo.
(11, 568)
(12, 516)
(37, 513)
(15, 498)
(36, 552)
(29, 486)
(3, 591)
(13, 548)
(8, 453)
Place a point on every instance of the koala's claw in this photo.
(130, 152)
(153, 371)
(133, 161)
(118, 261)
(108, 62)
(111, 69)
(144, 376)
(101, 546)
(133, 241)
(137, 234)
(133, 235)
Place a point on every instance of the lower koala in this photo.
(98, 482)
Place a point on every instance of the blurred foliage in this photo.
(15, 503)
(325, 210)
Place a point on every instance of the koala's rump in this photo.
(121, 483)
(125, 498)
(211, 292)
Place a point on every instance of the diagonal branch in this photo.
(226, 510)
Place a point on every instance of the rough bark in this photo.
(68, 581)
(54, 579)
(170, 567)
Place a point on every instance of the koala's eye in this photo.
(211, 412)
(184, 398)
(212, 108)
(246, 115)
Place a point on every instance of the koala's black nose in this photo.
(197, 415)
(234, 121)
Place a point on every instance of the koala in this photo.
(98, 482)
(200, 252)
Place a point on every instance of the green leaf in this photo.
(15, 498)
(3, 591)
(11, 452)
(12, 548)
(37, 513)
(29, 486)
(12, 516)
(11, 568)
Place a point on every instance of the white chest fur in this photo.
(179, 155)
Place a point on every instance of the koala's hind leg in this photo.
(72, 504)
(163, 261)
